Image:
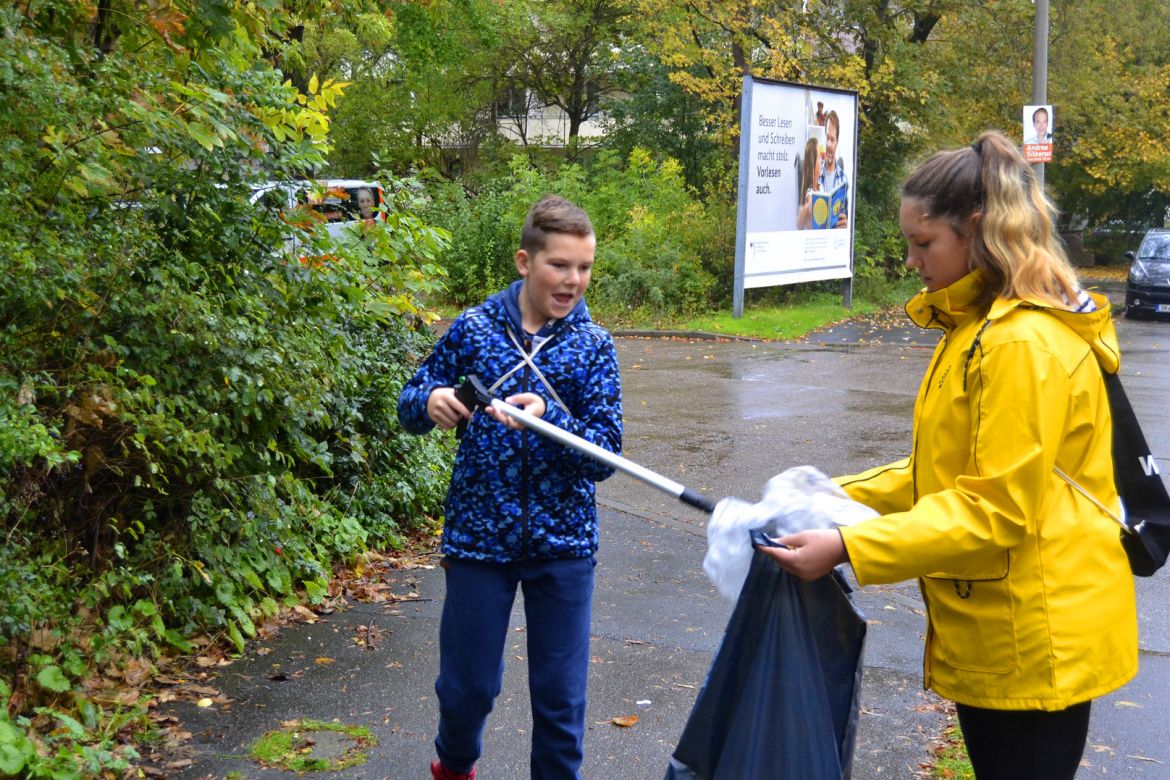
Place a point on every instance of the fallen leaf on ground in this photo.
(625, 721)
(305, 614)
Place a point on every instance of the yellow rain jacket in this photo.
(1029, 595)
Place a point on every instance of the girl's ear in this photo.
(973, 222)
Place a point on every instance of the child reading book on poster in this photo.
(810, 171)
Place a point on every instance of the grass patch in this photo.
(776, 313)
(950, 756)
(1115, 273)
(785, 321)
(293, 747)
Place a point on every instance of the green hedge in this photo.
(196, 423)
(659, 247)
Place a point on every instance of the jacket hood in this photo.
(944, 308)
(506, 304)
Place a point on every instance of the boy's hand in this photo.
(444, 408)
(529, 402)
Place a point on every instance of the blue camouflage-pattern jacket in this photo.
(514, 494)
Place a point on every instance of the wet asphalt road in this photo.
(720, 417)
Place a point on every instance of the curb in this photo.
(696, 335)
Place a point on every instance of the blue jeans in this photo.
(557, 608)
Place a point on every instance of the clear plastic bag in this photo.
(794, 500)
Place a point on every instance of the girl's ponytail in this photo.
(1016, 235)
(1014, 241)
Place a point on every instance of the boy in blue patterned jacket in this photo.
(520, 507)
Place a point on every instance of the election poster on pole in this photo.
(797, 185)
(1038, 129)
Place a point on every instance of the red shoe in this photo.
(440, 772)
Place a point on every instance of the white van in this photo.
(338, 203)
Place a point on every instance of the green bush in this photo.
(879, 265)
(197, 395)
(659, 247)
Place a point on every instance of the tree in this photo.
(567, 53)
(1107, 79)
(649, 110)
(194, 423)
(1110, 87)
(867, 45)
(426, 79)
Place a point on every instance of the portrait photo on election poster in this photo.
(797, 182)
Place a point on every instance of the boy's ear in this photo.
(523, 262)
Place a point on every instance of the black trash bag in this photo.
(781, 699)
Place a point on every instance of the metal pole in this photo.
(745, 139)
(588, 448)
(1040, 68)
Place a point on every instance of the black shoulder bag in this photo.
(1146, 536)
(1145, 521)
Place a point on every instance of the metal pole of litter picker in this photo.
(547, 429)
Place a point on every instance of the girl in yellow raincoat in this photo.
(1029, 595)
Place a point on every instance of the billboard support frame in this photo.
(745, 138)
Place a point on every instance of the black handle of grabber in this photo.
(697, 500)
(471, 393)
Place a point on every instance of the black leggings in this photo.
(1025, 745)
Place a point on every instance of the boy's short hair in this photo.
(553, 214)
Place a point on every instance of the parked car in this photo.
(1147, 290)
(336, 202)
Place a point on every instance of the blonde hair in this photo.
(1014, 241)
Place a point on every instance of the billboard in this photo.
(797, 185)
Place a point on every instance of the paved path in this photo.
(720, 417)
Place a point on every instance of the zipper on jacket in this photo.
(930, 638)
(962, 587)
(918, 427)
(526, 535)
(526, 471)
(914, 481)
(976, 344)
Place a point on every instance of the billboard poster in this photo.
(1038, 129)
(797, 184)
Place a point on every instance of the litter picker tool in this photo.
(472, 394)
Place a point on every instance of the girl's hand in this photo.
(529, 402)
(810, 555)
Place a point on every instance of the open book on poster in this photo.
(827, 206)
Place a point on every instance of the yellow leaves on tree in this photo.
(304, 115)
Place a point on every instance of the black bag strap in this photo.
(1138, 479)
(1139, 484)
